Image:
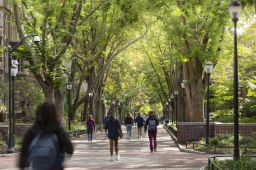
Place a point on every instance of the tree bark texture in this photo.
(192, 71)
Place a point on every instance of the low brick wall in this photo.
(20, 130)
(193, 131)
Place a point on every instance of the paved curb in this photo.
(181, 148)
(8, 154)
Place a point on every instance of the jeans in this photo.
(89, 132)
(129, 130)
(152, 140)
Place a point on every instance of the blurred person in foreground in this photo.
(46, 142)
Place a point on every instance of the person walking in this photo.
(151, 124)
(90, 124)
(114, 132)
(46, 142)
(128, 121)
(140, 122)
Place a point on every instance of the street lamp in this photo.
(90, 103)
(208, 66)
(234, 10)
(176, 106)
(183, 108)
(69, 87)
(169, 109)
(172, 97)
(12, 73)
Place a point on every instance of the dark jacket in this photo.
(140, 121)
(147, 122)
(65, 145)
(128, 120)
(114, 128)
(90, 124)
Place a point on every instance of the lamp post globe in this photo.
(208, 67)
(235, 9)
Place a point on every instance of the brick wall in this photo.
(193, 131)
(20, 130)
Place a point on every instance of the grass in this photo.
(244, 163)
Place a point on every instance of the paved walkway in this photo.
(134, 153)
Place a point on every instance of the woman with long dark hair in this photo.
(114, 132)
(46, 124)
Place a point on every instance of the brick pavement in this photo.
(134, 153)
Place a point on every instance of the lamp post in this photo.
(69, 87)
(183, 108)
(172, 97)
(234, 10)
(12, 72)
(90, 103)
(176, 106)
(208, 66)
(169, 109)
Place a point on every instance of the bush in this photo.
(242, 164)
(222, 115)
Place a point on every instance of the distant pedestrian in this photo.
(140, 122)
(151, 124)
(90, 124)
(128, 121)
(46, 142)
(114, 132)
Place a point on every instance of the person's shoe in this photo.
(111, 158)
(118, 157)
(151, 151)
(155, 150)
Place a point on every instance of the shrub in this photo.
(242, 164)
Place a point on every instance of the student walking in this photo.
(90, 127)
(114, 132)
(140, 122)
(151, 124)
(128, 121)
(46, 142)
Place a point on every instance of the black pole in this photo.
(172, 111)
(169, 111)
(207, 112)
(90, 104)
(13, 110)
(235, 102)
(183, 105)
(176, 109)
(10, 148)
(69, 109)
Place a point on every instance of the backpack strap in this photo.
(34, 141)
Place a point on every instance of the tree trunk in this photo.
(59, 102)
(49, 95)
(193, 71)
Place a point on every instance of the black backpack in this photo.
(44, 152)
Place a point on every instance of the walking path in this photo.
(135, 154)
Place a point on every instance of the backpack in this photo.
(43, 152)
(90, 124)
(152, 125)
